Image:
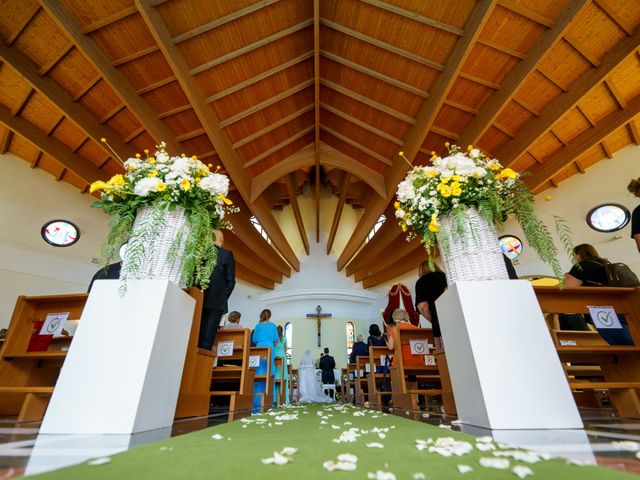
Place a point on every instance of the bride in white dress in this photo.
(310, 390)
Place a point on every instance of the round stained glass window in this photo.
(60, 233)
(608, 217)
(511, 246)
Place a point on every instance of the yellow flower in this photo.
(185, 184)
(445, 180)
(445, 191)
(138, 155)
(152, 161)
(404, 227)
(161, 187)
(194, 157)
(401, 153)
(469, 148)
(434, 228)
(225, 199)
(456, 192)
(446, 144)
(396, 205)
(197, 179)
(103, 140)
(210, 165)
(495, 166)
(433, 153)
(456, 178)
(547, 198)
(153, 173)
(99, 185)
(117, 180)
(146, 150)
(431, 173)
(506, 173)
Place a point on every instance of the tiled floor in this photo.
(23, 451)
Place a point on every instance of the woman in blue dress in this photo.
(264, 335)
(280, 351)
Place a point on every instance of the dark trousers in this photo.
(208, 326)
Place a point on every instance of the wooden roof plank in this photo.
(6, 136)
(135, 55)
(344, 184)
(217, 136)
(271, 127)
(356, 145)
(512, 83)
(582, 143)
(293, 201)
(141, 109)
(51, 64)
(316, 111)
(526, 13)
(425, 118)
(415, 16)
(537, 127)
(25, 23)
(398, 249)
(361, 124)
(58, 150)
(407, 263)
(108, 20)
(279, 146)
(617, 19)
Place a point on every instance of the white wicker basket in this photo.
(155, 260)
(473, 255)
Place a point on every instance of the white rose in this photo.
(215, 184)
(162, 157)
(132, 162)
(405, 191)
(145, 186)
(400, 213)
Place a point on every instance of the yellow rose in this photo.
(445, 191)
(456, 192)
(434, 228)
(99, 185)
(456, 178)
(197, 179)
(431, 173)
(153, 173)
(161, 187)
(507, 173)
(117, 180)
(185, 184)
(446, 180)
(396, 205)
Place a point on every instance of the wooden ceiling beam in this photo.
(250, 276)
(606, 149)
(383, 45)
(344, 186)
(615, 93)
(261, 76)
(316, 111)
(210, 121)
(33, 11)
(361, 124)
(514, 80)
(135, 55)
(22, 103)
(108, 20)
(271, 127)
(279, 146)
(374, 74)
(479, 81)
(418, 132)
(617, 19)
(356, 145)
(58, 150)
(459, 106)
(394, 253)
(445, 133)
(6, 135)
(526, 13)
(634, 132)
(86, 88)
(305, 159)
(376, 246)
(36, 160)
(191, 135)
(245, 255)
(580, 50)
(156, 85)
(112, 113)
(116, 79)
(582, 143)
(251, 47)
(221, 21)
(415, 16)
(175, 111)
(552, 80)
(404, 265)
(501, 48)
(368, 101)
(266, 103)
(293, 201)
(51, 64)
(556, 109)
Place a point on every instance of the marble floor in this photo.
(607, 440)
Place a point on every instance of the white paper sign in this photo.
(254, 361)
(429, 360)
(604, 317)
(419, 347)
(383, 359)
(53, 323)
(568, 343)
(225, 349)
(367, 367)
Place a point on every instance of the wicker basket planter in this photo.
(159, 256)
(471, 253)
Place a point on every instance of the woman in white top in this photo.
(233, 321)
(310, 390)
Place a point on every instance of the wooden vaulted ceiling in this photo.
(283, 93)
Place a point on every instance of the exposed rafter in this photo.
(58, 150)
(33, 11)
(293, 201)
(217, 136)
(582, 143)
(537, 127)
(249, 275)
(511, 84)
(279, 146)
(361, 124)
(356, 145)
(138, 106)
(344, 186)
(407, 263)
(316, 103)
(271, 127)
(245, 255)
(418, 132)
(398, 249)
(108, 20)
(6, 135)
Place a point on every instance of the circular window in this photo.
(511, 246)
(60, 233)
(608, 217)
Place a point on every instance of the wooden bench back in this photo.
(577, 338)
(376, 356)
(241, 339)
(405, 335)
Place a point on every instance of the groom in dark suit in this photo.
(223, 279)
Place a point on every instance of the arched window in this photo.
(254, 221)
(288, 334)
(376, 227)
(351, 336)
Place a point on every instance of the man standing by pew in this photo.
(223, 280)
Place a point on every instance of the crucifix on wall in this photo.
(318, 316)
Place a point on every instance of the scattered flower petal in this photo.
(464, 469)
(499, 463)
(381, 475)
(99, 461)
(216, 436)
(521, 471)
(375, 445)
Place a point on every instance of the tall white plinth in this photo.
(505, 371)
(122, 373)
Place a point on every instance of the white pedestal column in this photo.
(504, 369)
(122, 373)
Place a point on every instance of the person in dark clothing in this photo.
(590, 271)
(510, 268)
(327, 364)
(110, 272)
(429, 287)
(634, 187)
(216, 296)
(376, 339)
(359, 349)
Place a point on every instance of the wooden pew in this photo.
(360, 380)
(27, 378)
(294, 391)
(280, 381)
(379, 384)
(266, 397)
(350, 385)
(615, 369)
(231, 376)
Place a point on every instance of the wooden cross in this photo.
(318, 316)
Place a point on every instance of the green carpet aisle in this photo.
(322, 436)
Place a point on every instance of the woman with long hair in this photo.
(264, 335)
(280, 351)
(634, 187)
